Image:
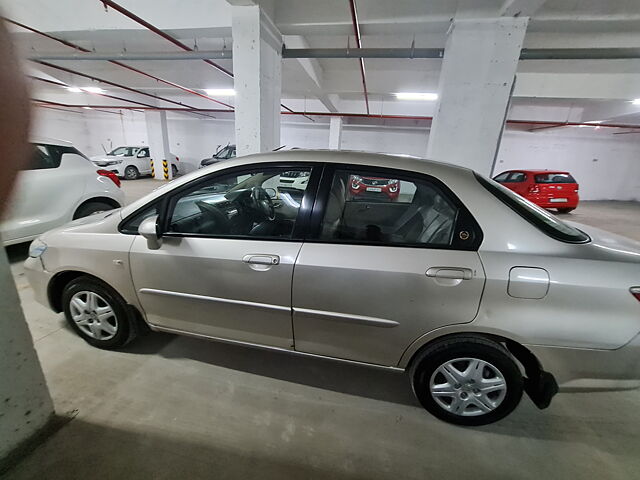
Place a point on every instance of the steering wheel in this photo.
(262, 203)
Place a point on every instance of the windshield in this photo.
(535, 215)
(124, 151)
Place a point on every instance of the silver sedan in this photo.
(389, 261)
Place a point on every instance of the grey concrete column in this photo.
(478, 71)
(335, 133)
(158, 135)
(257, 68)
(25, 403)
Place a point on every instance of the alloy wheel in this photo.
(93, 315)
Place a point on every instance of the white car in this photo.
(59, 185)
(131, 162)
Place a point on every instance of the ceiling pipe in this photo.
(356, 31)
(117, 85)
(114, 61)
(169, 38)
(355, 115)
(291, 53)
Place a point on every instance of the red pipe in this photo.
(344, 114)
(170, 38)
(115, 62)
(356, 31)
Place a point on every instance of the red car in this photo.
(372, 187)
(546, 188)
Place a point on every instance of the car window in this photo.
(49, 156)
(143, 152)
(517, 177)
(132, 223)
(257, 203)
(537, 216)
(367, 207)
(502, 177)
(555, 178)
(124, 151)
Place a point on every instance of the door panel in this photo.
(368, 303)
(208, 286)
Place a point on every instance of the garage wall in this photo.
(607, 166)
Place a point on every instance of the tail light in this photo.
(534, 189)
(111, 175)
(635, 291)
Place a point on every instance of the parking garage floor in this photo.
(177, 407)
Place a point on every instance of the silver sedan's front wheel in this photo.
(467, 380)
(468, 386)
(93, 315)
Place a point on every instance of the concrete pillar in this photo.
(257, 68)
(158, 136)
(335, 133)
(25, 404)
(476, 79)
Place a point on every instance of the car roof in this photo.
(400, 162)
(51, 141)
(537, 172)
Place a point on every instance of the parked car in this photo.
(59, 185)
(478, 294)
(222, 154)
(545, 188)
(374, 187)
(293, 179)
(131, 162)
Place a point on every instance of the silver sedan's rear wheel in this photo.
(468, 386)
(467, 380)
(93, 315)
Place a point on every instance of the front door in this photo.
(395, 257)
(225, 265)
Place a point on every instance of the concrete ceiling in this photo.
(334, 84)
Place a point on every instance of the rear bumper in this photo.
(546, 201)
(577, 369)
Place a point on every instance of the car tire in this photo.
(565, 210)
(174, 171)
(465, 403)
(98, 314)
(90, 208)
(131, 173)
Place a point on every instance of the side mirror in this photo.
(273, 194)
(149, 230)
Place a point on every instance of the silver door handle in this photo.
(454, 273)
(261, 259)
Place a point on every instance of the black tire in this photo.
(565, 210)
(131, 173)
(90, 208)
(431, 358)
(174, 171)
(125, 325)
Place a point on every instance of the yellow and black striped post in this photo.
(165, 168)
(153, 170)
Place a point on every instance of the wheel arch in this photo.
(108, 200)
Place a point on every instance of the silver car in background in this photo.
(476, 293)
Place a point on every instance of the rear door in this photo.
(376, 274)
(142, 161)
(518, 182)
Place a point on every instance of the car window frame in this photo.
(167, 201)
(464, 219)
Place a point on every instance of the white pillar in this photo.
(158, 136)
(257, 68)
(335, 133)
(477, 75)
(25, 404)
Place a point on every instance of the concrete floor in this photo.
(176, 407)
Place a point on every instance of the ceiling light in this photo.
(93, 89)
(87, 108)
(594, 121)
(220, 92)
(416, 96)
(74, 89)
(636, 101)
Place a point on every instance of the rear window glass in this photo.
(46, 156)
(555, 178)
(538, 217)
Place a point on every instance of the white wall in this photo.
(607, 166)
